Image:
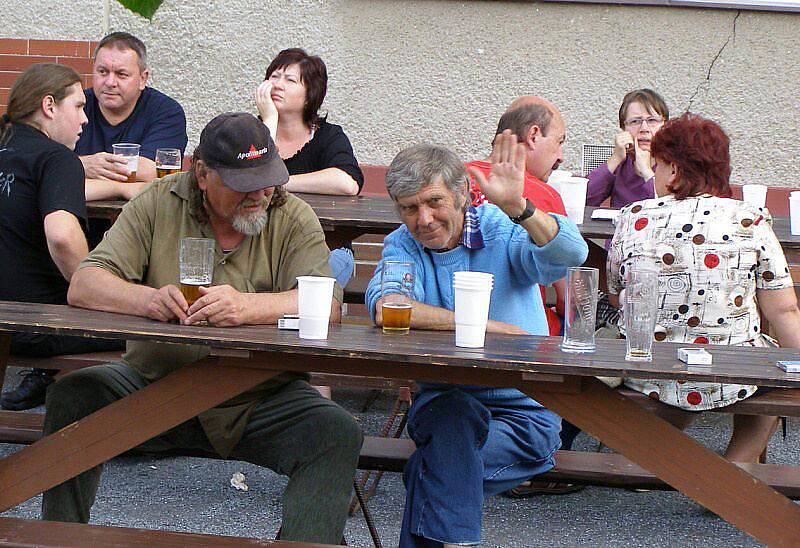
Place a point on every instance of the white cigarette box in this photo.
(694, 356)
(789, 366)
(289, 321)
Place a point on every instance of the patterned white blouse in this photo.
(711, 254)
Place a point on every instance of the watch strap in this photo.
(528, 212)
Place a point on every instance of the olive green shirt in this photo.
(142, 247)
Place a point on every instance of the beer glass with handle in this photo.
(196, 266)
(397, 292)
(168, 161)
(131, 153)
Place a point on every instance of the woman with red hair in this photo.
(720, 267)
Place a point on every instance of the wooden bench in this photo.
(603, 469)
(23, 532)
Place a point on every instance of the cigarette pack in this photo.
(694, 356)
(789, 366)
(289, 321)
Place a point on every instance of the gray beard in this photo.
(252, 224)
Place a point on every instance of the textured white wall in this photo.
(404, 71)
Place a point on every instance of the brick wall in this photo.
(18, 54)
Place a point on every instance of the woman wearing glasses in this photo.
(627, 176)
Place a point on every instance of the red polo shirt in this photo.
(541, 195)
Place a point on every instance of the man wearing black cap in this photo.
(265, 238)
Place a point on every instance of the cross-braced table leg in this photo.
(121, 426)
(680, 461)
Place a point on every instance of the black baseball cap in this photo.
(238, 146)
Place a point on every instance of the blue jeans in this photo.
(471, 443)
(341, 262)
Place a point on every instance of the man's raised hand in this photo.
(506, 181)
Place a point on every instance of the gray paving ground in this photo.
(184, 494)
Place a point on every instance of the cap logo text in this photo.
(252, 153)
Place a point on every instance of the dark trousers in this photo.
(295, 432)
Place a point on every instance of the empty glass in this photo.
(581, 310)
(640, 312)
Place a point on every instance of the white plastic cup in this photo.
(755, 195)
(556, 176)
(314, 297)
(479, 278)
(794, 213)
(473, 291)
(573, 193)
(314, 328)
(131, 153)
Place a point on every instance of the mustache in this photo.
(263, 202)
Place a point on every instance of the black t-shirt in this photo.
(329, 147)
(37, 177)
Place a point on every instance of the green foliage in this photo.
(145, 8)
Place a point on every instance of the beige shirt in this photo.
(712, 255)
(142, 247)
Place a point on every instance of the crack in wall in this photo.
(705, 84)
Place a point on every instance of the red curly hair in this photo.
(699, 148)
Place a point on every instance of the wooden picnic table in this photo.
(246, 356)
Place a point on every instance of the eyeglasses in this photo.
(637, 122)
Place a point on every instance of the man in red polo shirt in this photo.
(538, 124)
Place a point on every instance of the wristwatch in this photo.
(530, 209)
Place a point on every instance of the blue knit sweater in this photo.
(517, 263)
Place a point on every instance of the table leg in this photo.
(5, 352)
(123, 425)
(680, 461)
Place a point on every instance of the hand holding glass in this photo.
(397, 294)
(196, 266)
(131, 153)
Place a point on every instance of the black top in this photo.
(329, 147)
(37, 177)
(157, 121)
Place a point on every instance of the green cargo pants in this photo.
(295, 432)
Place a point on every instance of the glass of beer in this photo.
(397, 293)
(168, 161)
(196, 266)
(131, 153)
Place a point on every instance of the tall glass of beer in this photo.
(131, 153)
(196, 266)
(397, 293)
(168, 161)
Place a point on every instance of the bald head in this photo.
(537, 123)
(526, 100)
(528, 111)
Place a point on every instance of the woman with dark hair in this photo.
(42, 212)
(317, 154)
(720, 267)
(627, 176)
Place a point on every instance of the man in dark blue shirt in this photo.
(122, 109)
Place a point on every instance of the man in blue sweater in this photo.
(472, 442)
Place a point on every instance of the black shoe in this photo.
(30, 392)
